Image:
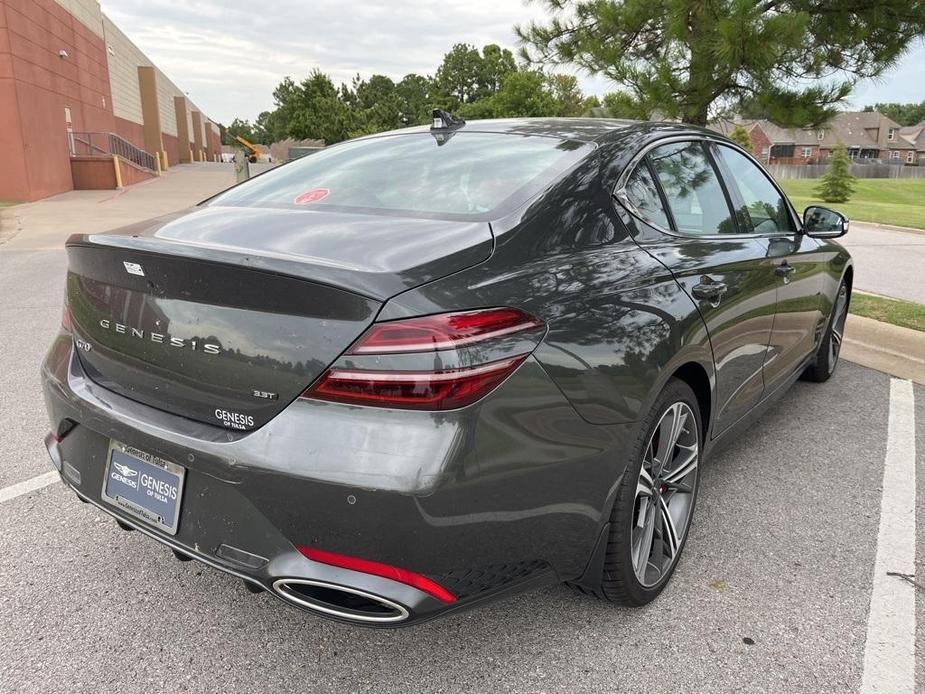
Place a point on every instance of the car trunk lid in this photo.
(196, 322)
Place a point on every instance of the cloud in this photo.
(903, 84)
(230, 54)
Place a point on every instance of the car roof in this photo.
(578, 129)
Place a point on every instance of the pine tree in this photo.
(837, 184)
(794, 60)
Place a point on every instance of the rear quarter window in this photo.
(471, 175)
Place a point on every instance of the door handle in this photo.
(784, 270)
(709, 290)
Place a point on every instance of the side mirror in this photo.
(823, 223)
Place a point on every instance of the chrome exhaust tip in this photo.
(340, 601)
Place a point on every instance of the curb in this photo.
(888, 227)
(865, 292)
(897, 351)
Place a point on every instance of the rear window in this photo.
(470, 175)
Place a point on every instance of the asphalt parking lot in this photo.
(888, 261)
(773, 593)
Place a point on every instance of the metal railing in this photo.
(102, 144)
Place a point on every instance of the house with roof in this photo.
(867, 135)
(915, 136)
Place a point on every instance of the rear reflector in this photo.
(66, 321)
(64, 428)
(497, 333)
(375, 568)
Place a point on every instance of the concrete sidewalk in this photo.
(46, 224)
(884, 347)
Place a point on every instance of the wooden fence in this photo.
(859, 170)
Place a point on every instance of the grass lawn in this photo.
(903, 313)
(899, 201)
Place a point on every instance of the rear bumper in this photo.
(506, 494)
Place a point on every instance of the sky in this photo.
(228, 55)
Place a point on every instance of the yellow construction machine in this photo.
(253, 154)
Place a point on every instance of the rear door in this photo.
(677, 189)
(794, 259)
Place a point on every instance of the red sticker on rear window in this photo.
(311, 196)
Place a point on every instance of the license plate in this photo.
(144, 486)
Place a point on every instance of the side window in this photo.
(765, 209)
(692, 189)
(642, 192)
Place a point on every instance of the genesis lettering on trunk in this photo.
(160, 338)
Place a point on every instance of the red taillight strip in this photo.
(444, 331)
(375, 568)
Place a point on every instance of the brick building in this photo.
(867, 135)
(77, 96)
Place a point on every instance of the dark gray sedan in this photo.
(428, 368)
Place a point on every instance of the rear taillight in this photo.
(440, 362)
(419, 390)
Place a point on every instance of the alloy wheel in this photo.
(665, 494)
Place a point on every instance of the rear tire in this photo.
(827, 354)
(656, 499)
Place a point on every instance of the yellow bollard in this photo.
(166, 164)
(118, 171)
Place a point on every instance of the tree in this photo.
(740, 136)
(374, 104)
(497, 63)
(624, 105)
(837, 184)
(589, 104)
(458, 76)
(904, 114)
(465, 76)
(473, 83)
(270, 123)
(313, 108)
(569, 99)
(688, 59)
(415, 98)
(523, 94)
(242, 128)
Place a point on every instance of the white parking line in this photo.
(889, 652)
(29, 485)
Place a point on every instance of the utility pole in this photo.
(242, 170)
